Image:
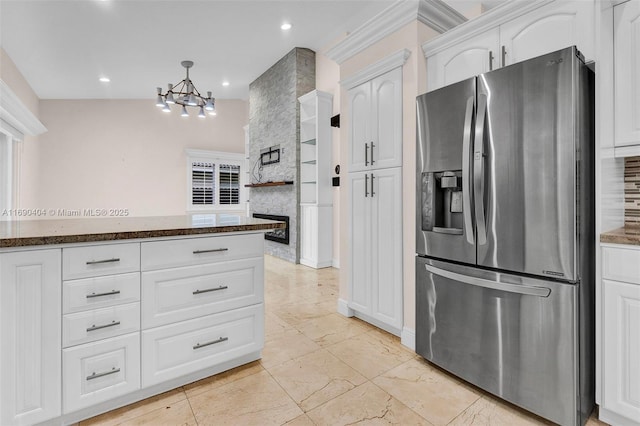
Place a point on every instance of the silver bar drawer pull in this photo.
(95, 375)
(109, 293)
(99, 327)
(209, 251)
(213, 342)
(97, 262)
(222, 287)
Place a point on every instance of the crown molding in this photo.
(492, 18)
(320, 94)
(16, 114)
(392, 61)
(434, 13)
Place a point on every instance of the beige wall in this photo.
(10, 74)
(328, 80)
(410, 37)
(124, 153)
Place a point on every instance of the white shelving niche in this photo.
(316, 198)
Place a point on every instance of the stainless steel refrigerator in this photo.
(505, 233)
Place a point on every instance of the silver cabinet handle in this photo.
(109, 293)
(466, 171)
(99, 327)
(222, 287)
(478, 170)
(372, 160)
(529, 290)
(96, 262)
(210, 251)
(95, 375)
(372, 193)
(366, 185)
(503, 52)
(213, 342)
(366, 154)
(490, 60)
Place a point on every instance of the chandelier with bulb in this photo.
(186, 94)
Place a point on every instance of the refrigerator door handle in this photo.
(466, 173)
(478, 170)
(528, 290)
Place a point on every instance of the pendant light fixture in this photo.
(186, 94)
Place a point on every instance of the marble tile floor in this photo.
(320, 368)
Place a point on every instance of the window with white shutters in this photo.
(215, 180)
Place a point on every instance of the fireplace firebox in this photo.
(278, 235)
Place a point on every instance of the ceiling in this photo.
(62, 47)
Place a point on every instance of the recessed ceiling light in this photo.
(285, 26)
(105, 79)
(225, 83)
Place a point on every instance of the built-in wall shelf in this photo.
(263, 184)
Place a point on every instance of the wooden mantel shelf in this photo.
(263, 184)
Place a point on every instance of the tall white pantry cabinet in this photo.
(375, 200)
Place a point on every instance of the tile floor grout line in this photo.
(191, 406)
(409, 408)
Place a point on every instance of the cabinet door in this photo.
(464, 60)
(30, 331)
(627, 65)
(621, 346)
(386, 101)
(386, 242)
(360, 242)
(308, 235)
(547, 29)
(359, 126)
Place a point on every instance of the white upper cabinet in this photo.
(626, 68)
(375, 123)
(547, 29)
(510, 33)
(464, 60)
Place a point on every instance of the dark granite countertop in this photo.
(20, 233)
(624, 235)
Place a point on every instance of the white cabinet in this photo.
(511, 33)
(464, 60)
(626, 67)
(620, 348)
(316, 191)
(30, 353)
(375, 221)
(375, 123)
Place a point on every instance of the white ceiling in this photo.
(62, 47)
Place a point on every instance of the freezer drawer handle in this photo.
(100, 327)
(95, 375)
(481, 282)
(109, 293)
(210, 251)
(222, 287)
(213, 342)
(97, 262)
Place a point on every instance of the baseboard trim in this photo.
(386, 327)
(408, 338)
(344, 309)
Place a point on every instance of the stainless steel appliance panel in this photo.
(444, 218)
(512, 336)
(525, 166)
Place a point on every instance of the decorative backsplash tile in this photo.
(632, 191)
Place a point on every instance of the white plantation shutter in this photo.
(229, 176)
(202, 183)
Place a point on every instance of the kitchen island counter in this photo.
(625, 235)
(22, 233)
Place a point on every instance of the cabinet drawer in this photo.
(178, 349)
(179, 294)
(95, 261)
(100, 292)
(99, 371)
(197, 251)
(89, 326)
(621, 264)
